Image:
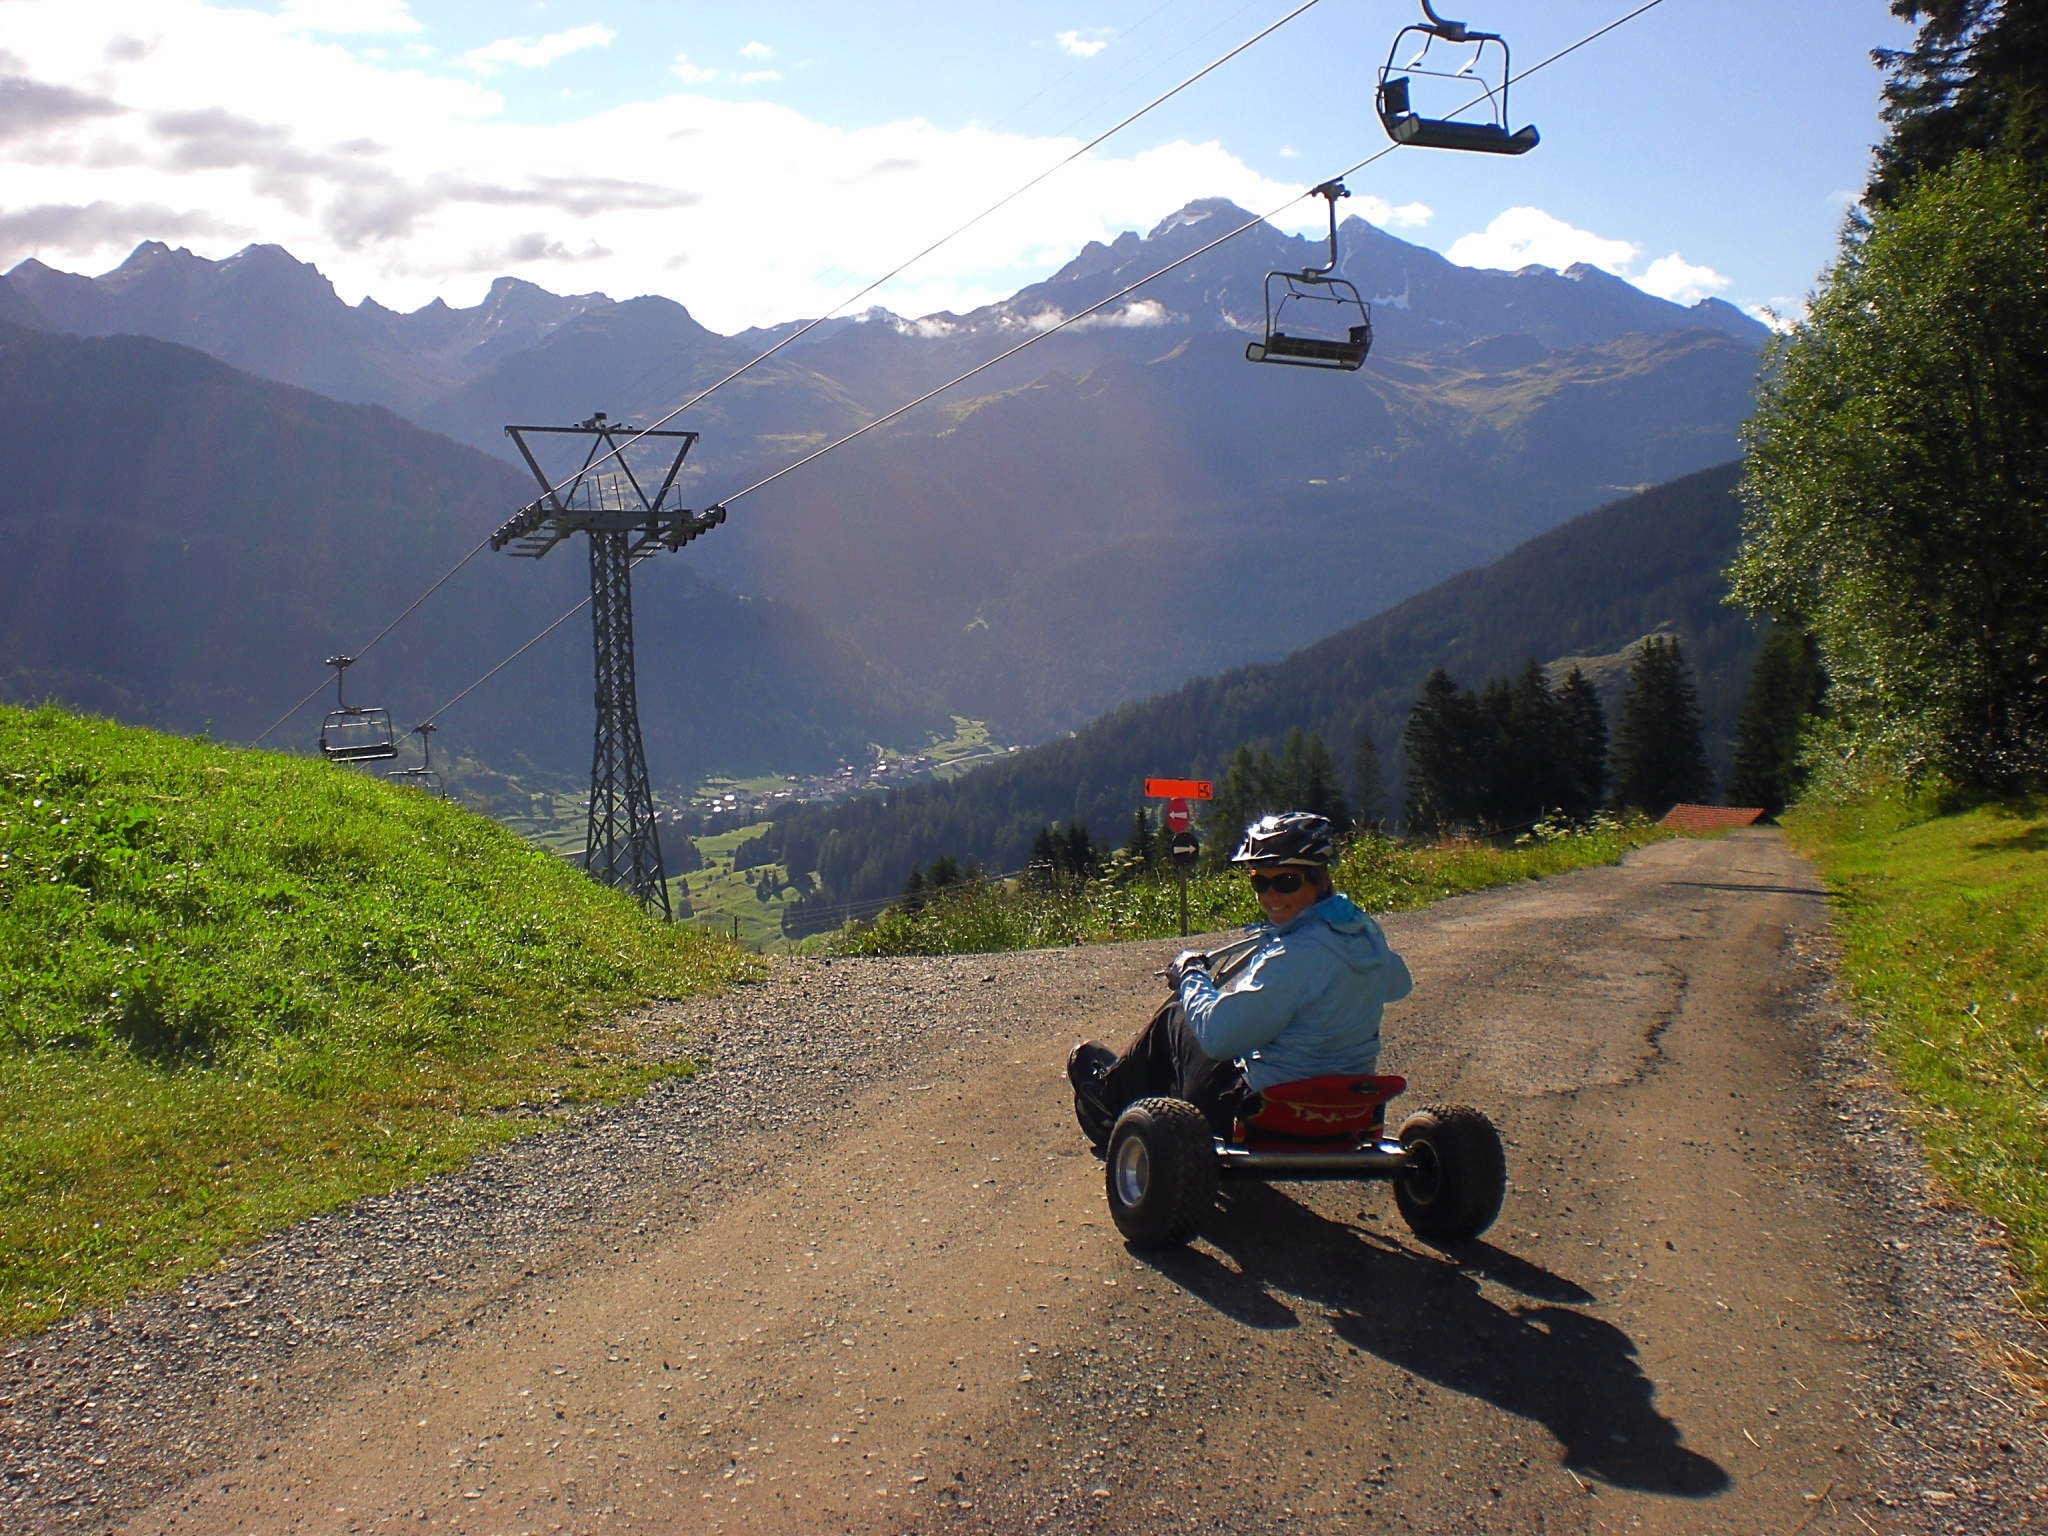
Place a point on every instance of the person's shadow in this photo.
(1575, 1375)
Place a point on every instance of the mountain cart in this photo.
(1162, 1164)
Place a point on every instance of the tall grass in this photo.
(1943, 918)
(1379, 874)
(237, 988)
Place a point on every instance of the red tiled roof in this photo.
(1711, 818)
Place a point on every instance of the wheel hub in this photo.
(1133, 1171)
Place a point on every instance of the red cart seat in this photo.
(1319, 1112)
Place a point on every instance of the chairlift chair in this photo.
(1338, 336)
(1405, 125)
(422, 778)
(355, 733)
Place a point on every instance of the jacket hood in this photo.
(1337, 924)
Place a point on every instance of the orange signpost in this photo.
(1177, 793)
(1179, 789)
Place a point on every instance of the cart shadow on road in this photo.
(1426, 1313)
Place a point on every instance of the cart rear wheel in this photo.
(1454, 1186)
(1160, 1172)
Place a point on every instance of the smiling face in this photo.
(1283, 907)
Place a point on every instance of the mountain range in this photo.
(1124, 506)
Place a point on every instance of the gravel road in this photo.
(858, 1276)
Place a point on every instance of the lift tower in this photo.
(608, 499)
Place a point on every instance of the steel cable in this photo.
(1039, 336)
(1124, 292)
(900, 268)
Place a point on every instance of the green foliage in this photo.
(1378, 874)
(1503, 757)
(1898, 479)
(1943, 920)
(1659, 759)
(1302, 778)
(1976, 78)
(237, 987)
(1785, 689)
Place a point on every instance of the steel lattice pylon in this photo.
(606, 500)
(621, 845)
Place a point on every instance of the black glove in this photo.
(1187, 960)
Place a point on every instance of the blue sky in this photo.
(754, 161)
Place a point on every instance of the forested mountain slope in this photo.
(186, 543)
(1589, 588)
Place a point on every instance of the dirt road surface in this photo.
(1714, 1302)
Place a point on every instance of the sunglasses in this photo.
(1286, 883)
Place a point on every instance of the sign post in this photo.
(1180, 822)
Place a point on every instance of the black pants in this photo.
(1165, 1061)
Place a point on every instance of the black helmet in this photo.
(1292, 837)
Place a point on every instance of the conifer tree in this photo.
(1659, 757)
(1526, 780)
(1242, 797)
(1043, 866)
(1582, 746)
(913, 891)
(1442, 742)
(1077, 853)
(1138, 846)
(1368, 785)
(1307, 780)
(1785, 688)
(944, 872)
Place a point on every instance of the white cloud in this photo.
(1673, 277)
(692, 74)
(757, 51)
(1406, 216)
(406, 180)
(535, 53)
(1084, 42)
(758, 76)
(1522, 237)
(347, 16)
(1780, 314)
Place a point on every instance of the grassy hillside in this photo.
(1589, 588)
(237, 988)
(1944, 926)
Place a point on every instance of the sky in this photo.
(759, 163)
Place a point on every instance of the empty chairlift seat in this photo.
(1331, 324)
(1473, 122)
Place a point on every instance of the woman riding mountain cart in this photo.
(1261, 1066)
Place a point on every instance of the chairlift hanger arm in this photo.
(1330, 191)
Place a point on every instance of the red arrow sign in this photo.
(1177, 817)
(1178, 789)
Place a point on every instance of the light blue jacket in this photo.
(1308, 1004)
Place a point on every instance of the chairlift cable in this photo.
(501, 666)
(1078, 65)
(1002, 202)
(808, 326)
(1353, 170)
(1131, 288)
(365, 650)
